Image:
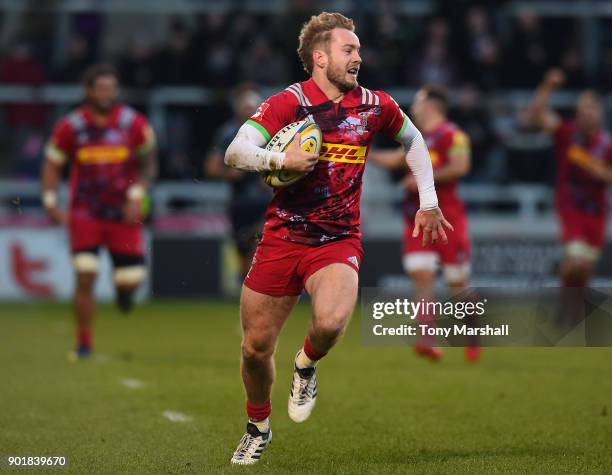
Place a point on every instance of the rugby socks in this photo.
(258, 415)
(84, 336)
(307, 357)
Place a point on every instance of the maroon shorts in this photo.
(118, 237)
(580, 226)
(281, 268)
(457, 251)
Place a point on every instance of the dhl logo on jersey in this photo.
(333, 152)
(102, 154)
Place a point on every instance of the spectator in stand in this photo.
(78, 58)
(262, 65)
(476, 122)
(435, 66)
(572, 63)
(173, 63)
(528, 55)
(605, 71)
(137, 66)
(481, 60)
(25, 120)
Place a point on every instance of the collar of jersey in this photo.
(317, 96)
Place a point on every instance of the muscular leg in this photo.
(262, 318)
(423, 281)
(84, 306)
(576, 272)
(575, 275)
(458, 283)
(333, 290)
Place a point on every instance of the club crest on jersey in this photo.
(364, 119)
(113, 136)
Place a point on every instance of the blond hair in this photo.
(316, 32)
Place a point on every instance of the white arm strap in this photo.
(417, 157)
(246, 152)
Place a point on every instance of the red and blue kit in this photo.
(316, 220)
(104, 163)
(442, 142)
(581, 199)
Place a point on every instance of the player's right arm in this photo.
(247, 152)
(540, 112)
(57, 152)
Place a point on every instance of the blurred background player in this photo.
(250, 196)
(111, 152)
(584, 170)
(449, 150)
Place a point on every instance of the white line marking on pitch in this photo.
(174, 416)
(133, 383)
(100, 358)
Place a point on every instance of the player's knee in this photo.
(456, 275)
(330, 324)
(256, 351)
(86, 268)
(129, 277)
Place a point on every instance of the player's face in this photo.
(343, 59)
(589, 113)
(420, 106)
(103, 94)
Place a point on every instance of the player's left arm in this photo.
(146, 151)
(429, 218)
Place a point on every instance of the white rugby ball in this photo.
(310, 141)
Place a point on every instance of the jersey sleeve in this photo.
(274, 113)
(459, 143)
(60, 145)
(144, 136)
(394, 121)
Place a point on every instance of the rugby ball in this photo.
(310, 141)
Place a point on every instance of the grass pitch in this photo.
(380, 410)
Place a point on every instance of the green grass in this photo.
(380, 410)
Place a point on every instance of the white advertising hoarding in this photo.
(36, 264)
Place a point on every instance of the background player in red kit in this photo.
(111, 152)
(584, 160)
(312, 238)
(449, 149)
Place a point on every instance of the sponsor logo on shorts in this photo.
(332, 152)
(353, 260)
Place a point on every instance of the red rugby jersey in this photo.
(324, 205)
(576, 188)
(442, 142)
(104, 161)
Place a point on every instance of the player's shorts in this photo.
(120, 238)
(454, 257)
(281, 268)
(582, 234)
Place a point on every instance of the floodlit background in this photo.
(179, 62)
